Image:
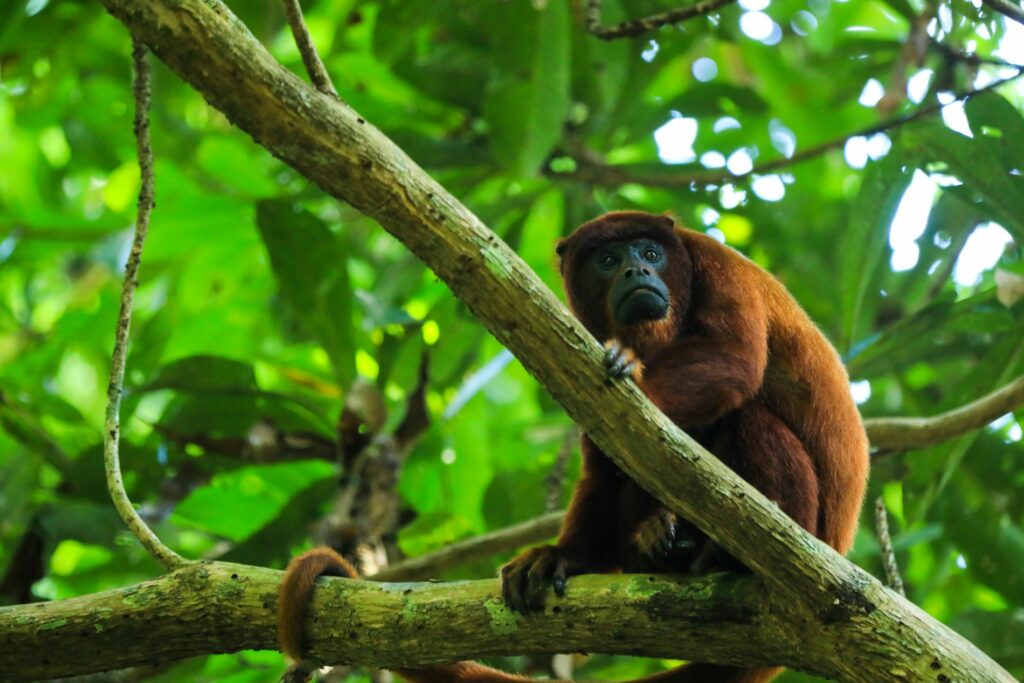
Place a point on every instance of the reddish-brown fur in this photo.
(739, 366)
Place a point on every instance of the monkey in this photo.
(719, 346)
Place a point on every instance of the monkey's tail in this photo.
(296, 594)
(293, 602)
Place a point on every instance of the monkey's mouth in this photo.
(642, 303)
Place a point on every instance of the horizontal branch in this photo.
(905, 433)
(480, 547)
(667, 176)
(215, 607)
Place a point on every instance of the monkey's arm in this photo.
(586, 543)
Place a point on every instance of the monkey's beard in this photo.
(647, 337)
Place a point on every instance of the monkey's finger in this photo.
(559, 578)
(513, 578)
(540, 575)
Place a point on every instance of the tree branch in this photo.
(477, 548)
(660, 175)
(1007, 9)
(905, 433)
(217, 607)
(636, 27)
(112, 425)
(310, 57)
(334, 147)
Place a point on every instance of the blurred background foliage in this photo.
(264, 307)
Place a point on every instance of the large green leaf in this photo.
(312, 273)
(864, 242)
(237, 504)
(982, 163)
(527, 97)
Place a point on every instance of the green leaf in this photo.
(237, 504)
(527, 97)
(312, 273)
(203, 374)
(982, 164)
(864, 243)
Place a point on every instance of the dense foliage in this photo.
(263, 306)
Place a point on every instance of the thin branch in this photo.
(470, 550)
(1007, 9)
(635, 27)
(969, 58)
(112, 425)
(620, 175)
(892, 570)
(903, 433)
(310, 57)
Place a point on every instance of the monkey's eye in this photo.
(651, 254)
(608, 260)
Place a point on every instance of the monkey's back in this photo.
(806, 385)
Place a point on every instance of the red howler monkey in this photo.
(728, 355)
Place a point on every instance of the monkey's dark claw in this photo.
(621, 362)
(524, 580)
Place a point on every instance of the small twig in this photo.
(892, 570)
(463, 552)
(1007, 9)
(314, 65)
(967, 58)
(112, 424)
(555, 481)
(619, 175)
(903, 433)
(635, 27)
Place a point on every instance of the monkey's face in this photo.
(631, 275)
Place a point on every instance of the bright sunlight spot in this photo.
(769, 188)
(980, 253)
(675, 140)
(757, 25)
(872, 92)
(917, 86)
(856, 152)
(705, 69)
(861, 391)
(909, 222)
(712, 159)
(953, 114)
(740, 162)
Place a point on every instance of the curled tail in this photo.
(296, 594)
(293, 602)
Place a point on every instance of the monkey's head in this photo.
(627, 275)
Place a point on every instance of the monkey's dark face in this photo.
(632, 273)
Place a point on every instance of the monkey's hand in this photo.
(525, 579)
(665, 541)
(621, 362)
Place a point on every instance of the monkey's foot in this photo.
(525, 579)
(621, 362)
(665, 540)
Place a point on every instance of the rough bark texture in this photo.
(215, 607)
(871, 634)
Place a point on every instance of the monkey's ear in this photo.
(560, 247)
(669, 219)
